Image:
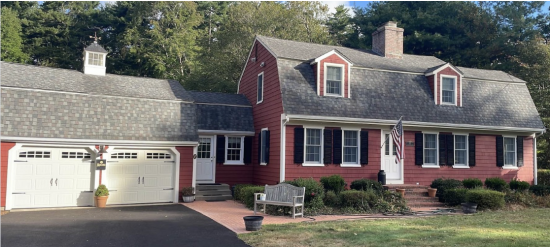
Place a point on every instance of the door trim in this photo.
(383, 157)
(212, 159)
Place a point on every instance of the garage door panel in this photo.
(23, 169)
(42, 200)
(23, 185)
(83, 184)
(165, 182)
(151, 169)
(130, 182)
(43, 184)
(21, 200)
(65, 199)
(150, 182)
(66, 184)
(130, 197)
(85, 199)
(85, 169)
(150, 196)
(166, 169)
(166, 196)
(66, 170)
(131, 170)
(43, 170)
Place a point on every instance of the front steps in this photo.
(212, 192)
(416, 196)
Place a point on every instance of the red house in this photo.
(321, 110)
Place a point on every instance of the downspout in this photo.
(535, 169)
(282, 163)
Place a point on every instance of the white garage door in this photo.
(52, 177)
(140, 176)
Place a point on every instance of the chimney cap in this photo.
(389, 24)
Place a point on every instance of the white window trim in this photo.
(425, 165)
(234, 162)
(326, 65)
(515, 165)
(88, 56)
(467, 165)
(441, 89)
(351, 164)
(306, 163)
(263, 85)
(261, 150)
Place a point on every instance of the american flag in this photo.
(398, 141)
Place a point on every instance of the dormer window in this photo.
(95, 59)
(448, 90)
(334, 79)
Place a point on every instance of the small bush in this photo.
(247, 195)
(331, 199)
(187, 191)
(455, 197)
(520, 197)
(366, 184)
(361, 200)
(237, 193)
(314, 192)
(543, 177)
(335, 183)
(442, 185)
(486, 199)
(496, 183)
(540, 190)
(472, 183)
(102, 190)
(519, 185)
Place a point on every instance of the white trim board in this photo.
(226, 132)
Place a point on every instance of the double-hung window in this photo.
(260, 88)
(448, 90)
(430, 149)
(95, 59)
(461, 150)
(510, 151)
(334, 80)
(351, 147)
(234, 150)
(313, 146)
(263, 147)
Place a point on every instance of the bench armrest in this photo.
(256, 196)
(296, 197)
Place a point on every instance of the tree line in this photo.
(204, 45)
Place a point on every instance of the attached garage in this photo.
(52, 177)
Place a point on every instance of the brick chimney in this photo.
(387, 40)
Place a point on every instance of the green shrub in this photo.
(187, 191)
(367, 184)
(543, 177)
(485, 199)
(335, 183)
(520, 197)
(442, 185)
(519, 185)
(496, 183)
(331, 199)
(455, 197)
(237, 193)
(540, 190)
(102, 190)
(247, 194)
(357, 199)
(314, 192)
(472, 183)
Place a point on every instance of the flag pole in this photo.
(385, 141)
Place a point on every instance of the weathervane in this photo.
(95, 37)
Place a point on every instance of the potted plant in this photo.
(253, 223)
(101, 195)
(187, 194)
(401, 191)
(432, 192)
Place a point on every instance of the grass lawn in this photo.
(527, 227)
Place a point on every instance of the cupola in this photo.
(94, 59)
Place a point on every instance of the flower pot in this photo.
(432, 192)
(262, 197)
(401, 191)
(100, 201)
(469, 208)
(188, 198)
(253, 223)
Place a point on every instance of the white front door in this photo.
(140, 176)
(394, 171)
(52, 177)
(206, 166)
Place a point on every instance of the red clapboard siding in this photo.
(4, 156)
(485, 164)
(431, 83)
(332, 59)
(448, 71)
(186, 166)
(266, 115)
(349, 174)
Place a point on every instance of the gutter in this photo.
(98, 142)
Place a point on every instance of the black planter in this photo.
(382, 177)
(253, 223)
(469, 208)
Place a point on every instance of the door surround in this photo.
(211, 159)
(383, 158)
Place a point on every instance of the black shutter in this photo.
(450, 150)
(267, 146)
(442, 149)
(220, 149)
(500, 151)
(418, 149)
(260, 147)
(247, 159)
(519, 142)
(364, 147)
(337, 147)
(472, 150)
(327, 146)
(298, 145)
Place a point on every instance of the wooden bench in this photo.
(282, 195)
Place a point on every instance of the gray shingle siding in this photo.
(389, 95)
(40, 114)
(219, 98)
(221, 117)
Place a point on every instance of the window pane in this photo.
(350, 154)
(100, 60)
(510, 151)
(430, 141)
(313, 137)
(387, 145)
(334, 73)
(313, 145)
(460, 157)
(509, 144)
(460, 142)
(448, 96)
(350, 138)
(263, 146)
(333, 87)
(260, 87)
(430, 156)
(448, 84)
(313, 154)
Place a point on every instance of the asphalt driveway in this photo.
(160, 225)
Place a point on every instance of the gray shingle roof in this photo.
(388, 95)
(223, 117)
(219, 98)
(37, 77)
(368, 59)
(95, 47)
